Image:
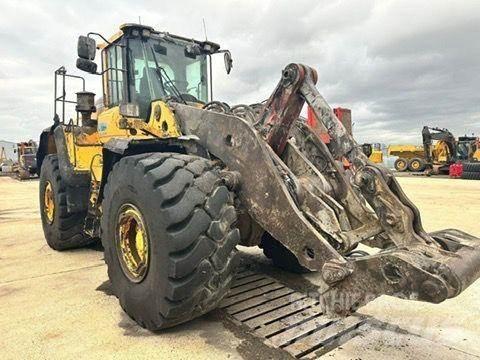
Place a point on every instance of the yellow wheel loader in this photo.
(172, 181)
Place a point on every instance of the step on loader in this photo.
(172, 181)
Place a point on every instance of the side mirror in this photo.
(86, 48)
(227, 58)
(87, 65)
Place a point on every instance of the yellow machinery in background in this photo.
(374, 152)
(440, 149)
(377, 153)
(408, 155)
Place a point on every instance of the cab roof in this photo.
(130, 27)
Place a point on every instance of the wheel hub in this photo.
(132, 243)
(402, 164)
(48, 203)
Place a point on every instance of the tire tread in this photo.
(192, 198)
(68, 231)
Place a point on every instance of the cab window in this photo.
(114, 60)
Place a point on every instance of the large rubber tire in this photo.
(66, 230)
(416, 165)
(281, 257)
(470, 175)
(471, 166)
(190, 220)
(401, 164)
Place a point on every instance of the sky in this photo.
(397, 64)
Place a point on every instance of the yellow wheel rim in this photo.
(402, 165)
(415, 165)
(132, 243)
(48, 203)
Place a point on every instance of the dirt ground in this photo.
(57, 305)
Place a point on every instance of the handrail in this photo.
(61, 71)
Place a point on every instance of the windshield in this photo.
(161, 69)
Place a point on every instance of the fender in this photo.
(67, 171)
(116, 148)
(46, 146)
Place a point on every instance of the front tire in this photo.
(188, 230)
(63, 230)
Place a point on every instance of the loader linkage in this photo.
(295, 187)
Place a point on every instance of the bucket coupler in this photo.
(295, 187)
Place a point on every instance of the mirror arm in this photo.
(99, 35)
(110, 68)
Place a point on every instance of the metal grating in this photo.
(285, 318)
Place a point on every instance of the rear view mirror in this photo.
(87, 65)
(227, 58)
(86, 48)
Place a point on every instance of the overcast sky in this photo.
(398, 65)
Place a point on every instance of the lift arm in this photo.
(429, 267)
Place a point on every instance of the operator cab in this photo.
(141, 65)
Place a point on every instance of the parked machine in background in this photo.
(469, 157)
(374, 152)
(26, 166)
(440, 149)
(410, 157)
(468, 148)
(6, 164)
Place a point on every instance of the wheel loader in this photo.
(172, 181)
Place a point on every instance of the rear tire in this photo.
(401, 164)
(191, 237)
(281, 257)
(416, 165)
(63, 230)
